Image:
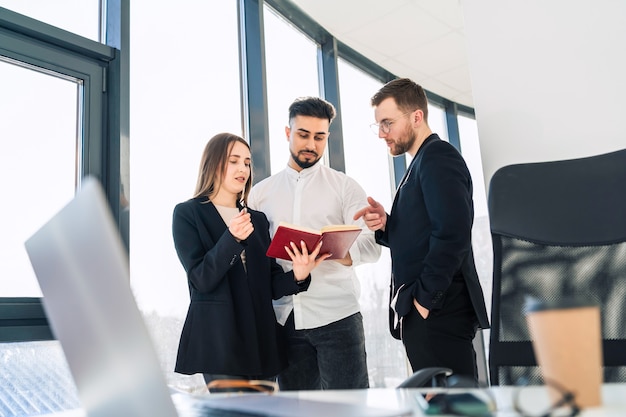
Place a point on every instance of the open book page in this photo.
(300, 228)
(337, 239)
(334, 227)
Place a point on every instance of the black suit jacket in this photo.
(429, 231)
(230, 326)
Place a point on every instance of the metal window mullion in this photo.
(253, 85)
(329, 85)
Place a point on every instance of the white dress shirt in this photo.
(316, 197)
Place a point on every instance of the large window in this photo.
(437, 120)
(184, 90)
(38, 168)
(81, 17)
(369, 164)
(291, 68)
(37, 164)
(481, 233)
(53, 132)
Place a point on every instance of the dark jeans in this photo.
(327, 357)
(445, 337)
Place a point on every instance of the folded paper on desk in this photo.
(337, 239)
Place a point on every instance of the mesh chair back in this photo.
(558, 229)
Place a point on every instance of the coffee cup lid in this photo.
(533, 304)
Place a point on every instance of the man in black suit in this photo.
(436, 300)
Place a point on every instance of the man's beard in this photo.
(304, 164)
(400, 148)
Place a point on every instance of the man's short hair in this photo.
(407, 94)
(313, 107)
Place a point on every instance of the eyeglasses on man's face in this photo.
(385, 125)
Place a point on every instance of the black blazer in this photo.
(230, 326)
(429, 231)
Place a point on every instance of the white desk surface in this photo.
(535, 398)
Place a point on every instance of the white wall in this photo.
(548, 78)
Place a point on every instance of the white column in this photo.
(548, 78)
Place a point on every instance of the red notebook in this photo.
(337, 239)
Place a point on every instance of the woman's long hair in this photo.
(213, 166)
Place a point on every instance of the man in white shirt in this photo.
(324, 325)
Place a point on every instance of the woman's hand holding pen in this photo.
(241, 225)
(303, 261)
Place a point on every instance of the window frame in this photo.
(331, 49)
(38, 45)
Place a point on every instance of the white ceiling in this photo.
(420, 39)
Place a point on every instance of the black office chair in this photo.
(558, 229)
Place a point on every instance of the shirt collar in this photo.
(305, 172)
